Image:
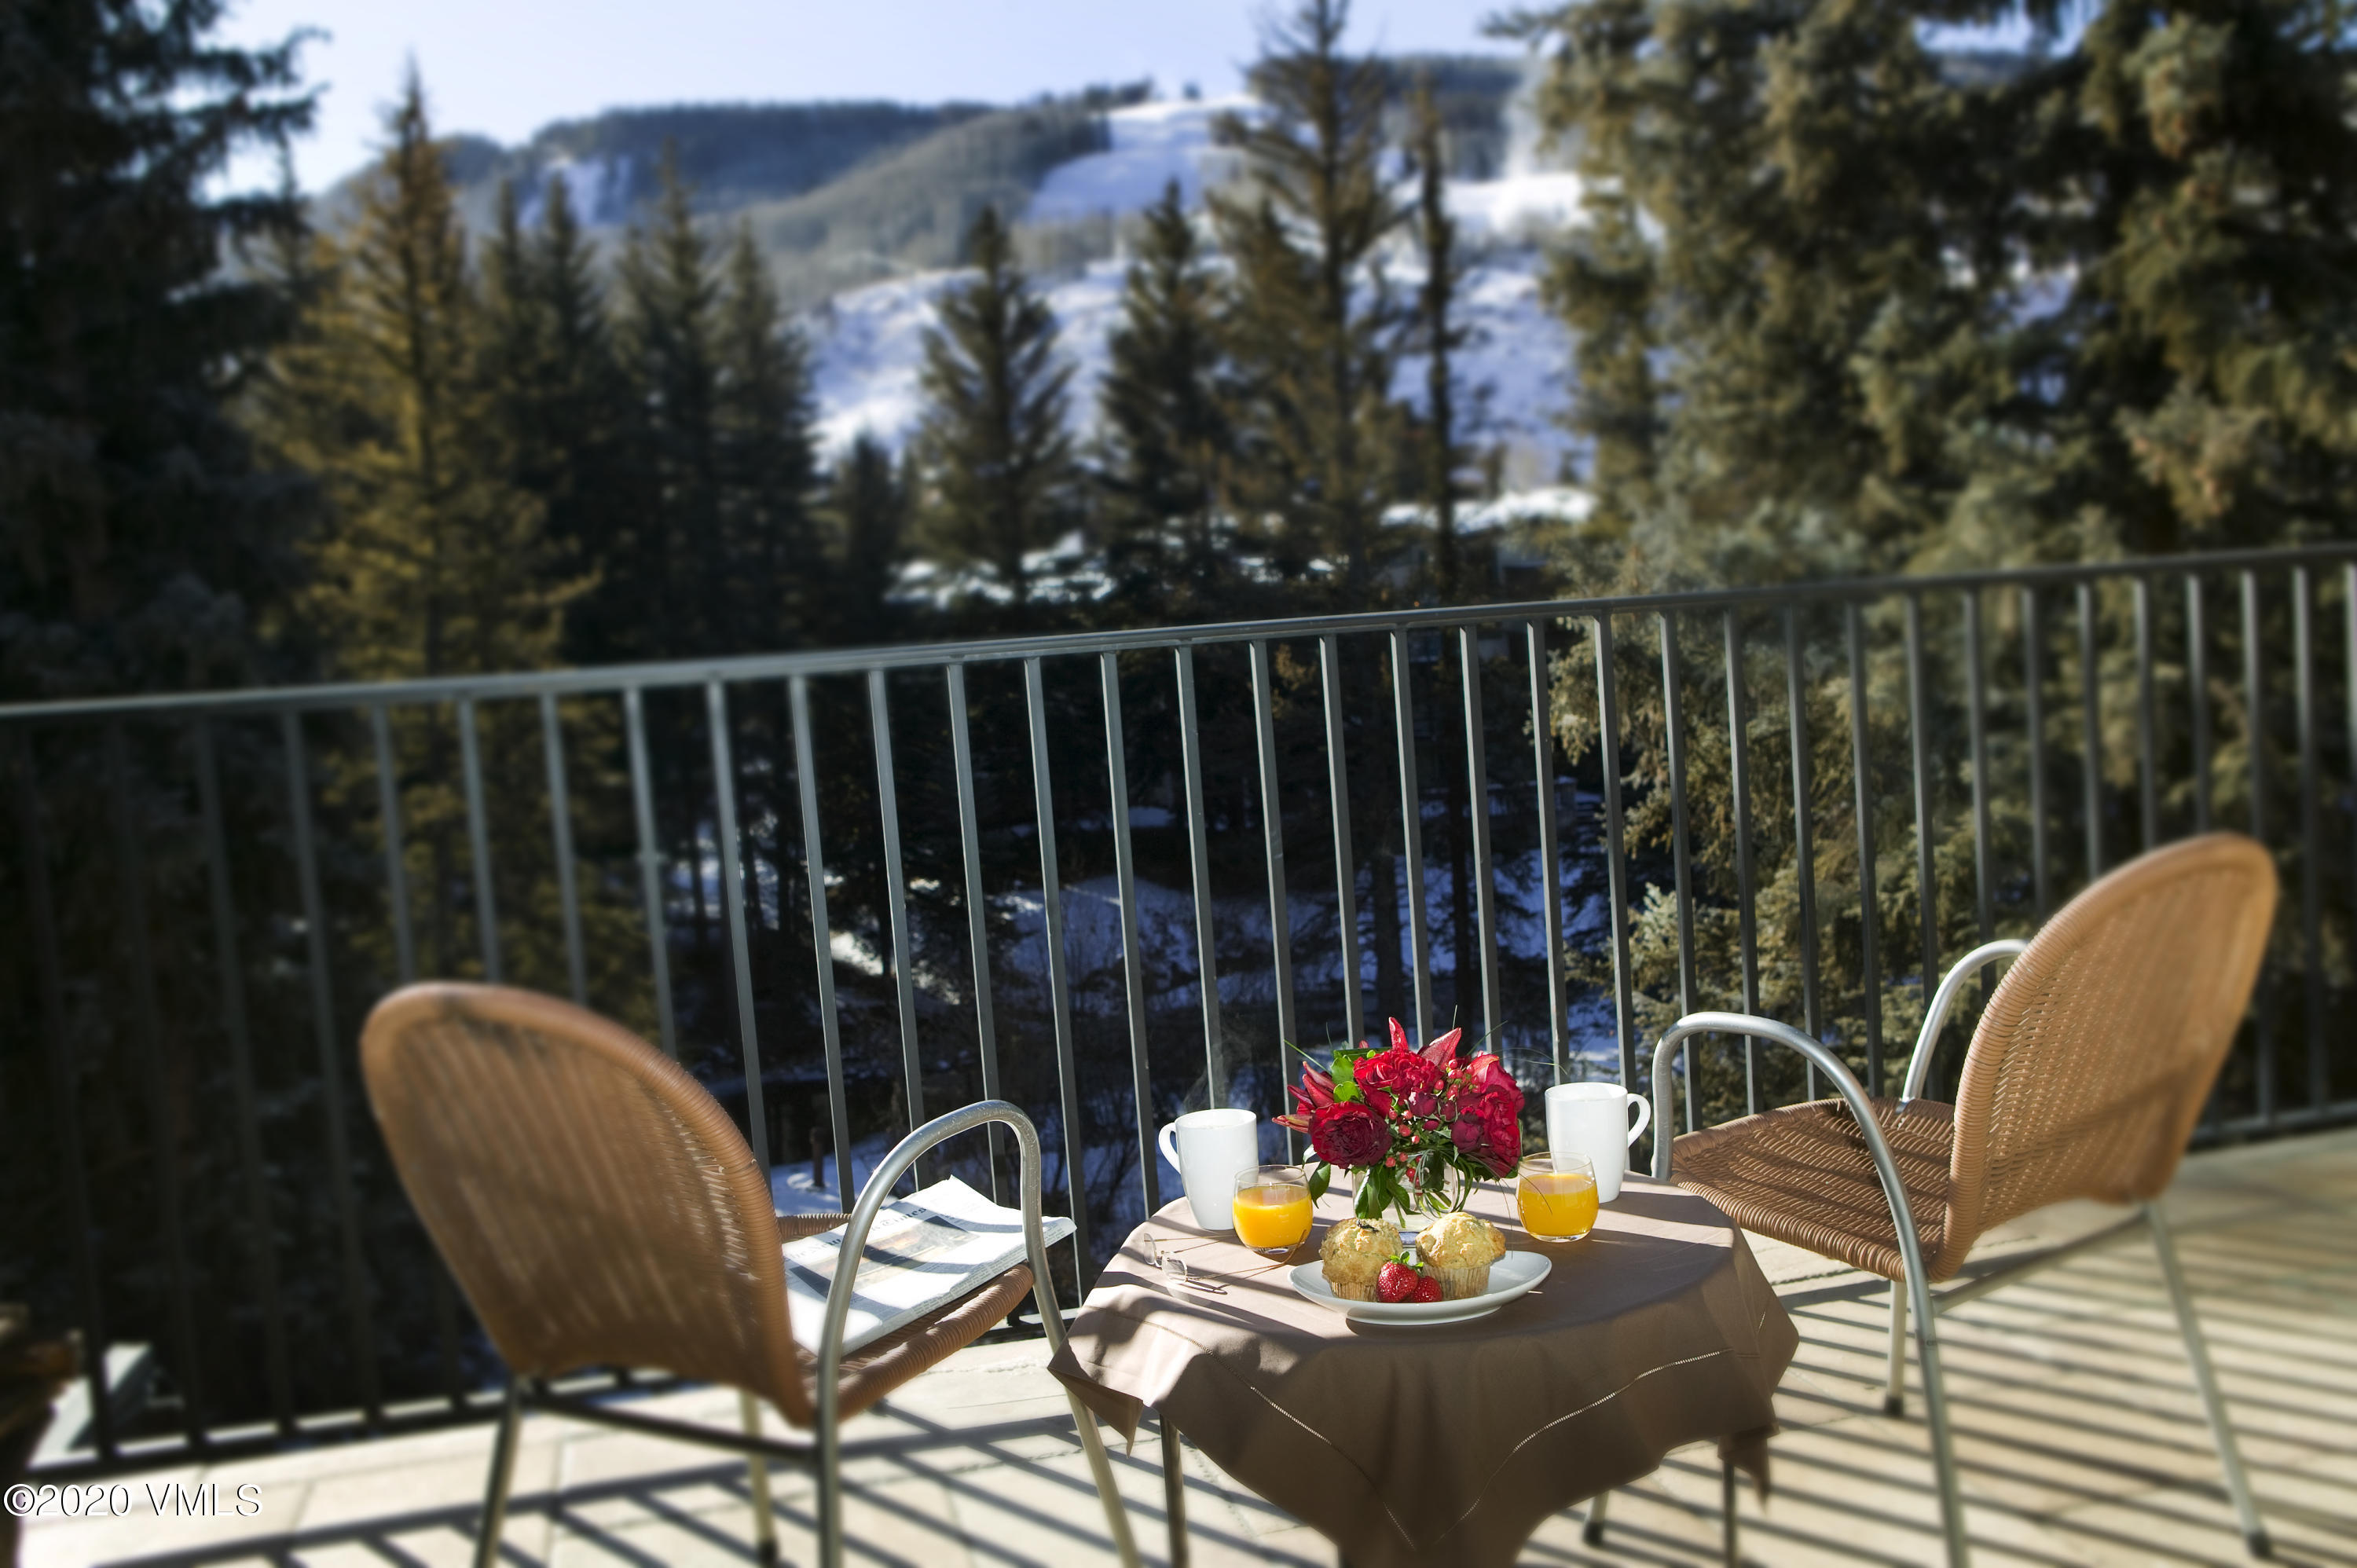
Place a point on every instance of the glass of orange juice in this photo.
(1557, 1196)
(1273, 1209)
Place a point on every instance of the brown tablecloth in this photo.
(1447, 1444)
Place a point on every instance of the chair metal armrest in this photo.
(1844, 1082)
(872, 1199)
(879, 1192)
(1936, 1017)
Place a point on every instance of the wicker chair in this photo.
(2091, 1063)
(598, 1207)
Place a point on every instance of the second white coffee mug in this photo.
(1211, 1147)
(1592, 1119)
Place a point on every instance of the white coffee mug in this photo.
(1592, 1119)
(1212, 1146)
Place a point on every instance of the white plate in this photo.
(1510, 1276)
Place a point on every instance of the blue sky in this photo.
(504, 68)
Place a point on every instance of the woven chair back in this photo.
(2094, 1058)
(595, 1203)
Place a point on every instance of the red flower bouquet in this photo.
(1417, 1128)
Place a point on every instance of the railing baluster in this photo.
(978, 910)
(1919, 725)
(732, 899)
(2147, 786)
(2091, 730)
(1477, 770)
(1869, 910)
(1689, 999)
(821, 938)
(1803, 837)
(361, 1315)
(1550, 862)
(1051, 900)
(1199, 858)
(65, 1101)
(1746, 918)
(1133, 956)
(2197, 691)
(396, 866)
(651, 869)
(2033, 683)
(1976, 702)
(896, 904)
(560, 829)
(1615, 871)
(1346, 870)
(2349, 677)
(277, 1374)
(478, 841)
(139, 956)
(2311, 890)
(1272, 818)
(1411, 830)
(2255, 730)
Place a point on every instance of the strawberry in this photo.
(1397, 1282)
(1427, 1289)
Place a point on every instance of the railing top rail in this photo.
(610, 677)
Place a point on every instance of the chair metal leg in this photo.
(1894, 1396)
(1174, 1492)
(1592, 1532)
(1935, 1419)
(495, 1495)
(756, 1478)
(1100, 1470)
(2205, 1379)
(1728, 1544)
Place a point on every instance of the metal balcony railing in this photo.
(1105, 875)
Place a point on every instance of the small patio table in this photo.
(1444, 1442)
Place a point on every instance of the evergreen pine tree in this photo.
(576, 449)
(1924, 307)
(867, 512)
(995, 458)
(769, 463)
(1312, 322)
(674, 569)
(1169, 441)
(144, 552)
(434, 560)
(1438, 333)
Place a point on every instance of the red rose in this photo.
(1396, 1074)
(1352, 1134)
(1501, 1132)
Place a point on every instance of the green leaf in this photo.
(1320, 1178)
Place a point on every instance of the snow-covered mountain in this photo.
(869, 341)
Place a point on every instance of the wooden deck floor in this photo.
(2080, 1434)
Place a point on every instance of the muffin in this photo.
(1354, 1252)
(1458, 1250)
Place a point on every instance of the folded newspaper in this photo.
(923, 1251)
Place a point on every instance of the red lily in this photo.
(1439, 1053)
(1316, 1092)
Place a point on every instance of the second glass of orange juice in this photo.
(1273, 1209)
(1557, 1196)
